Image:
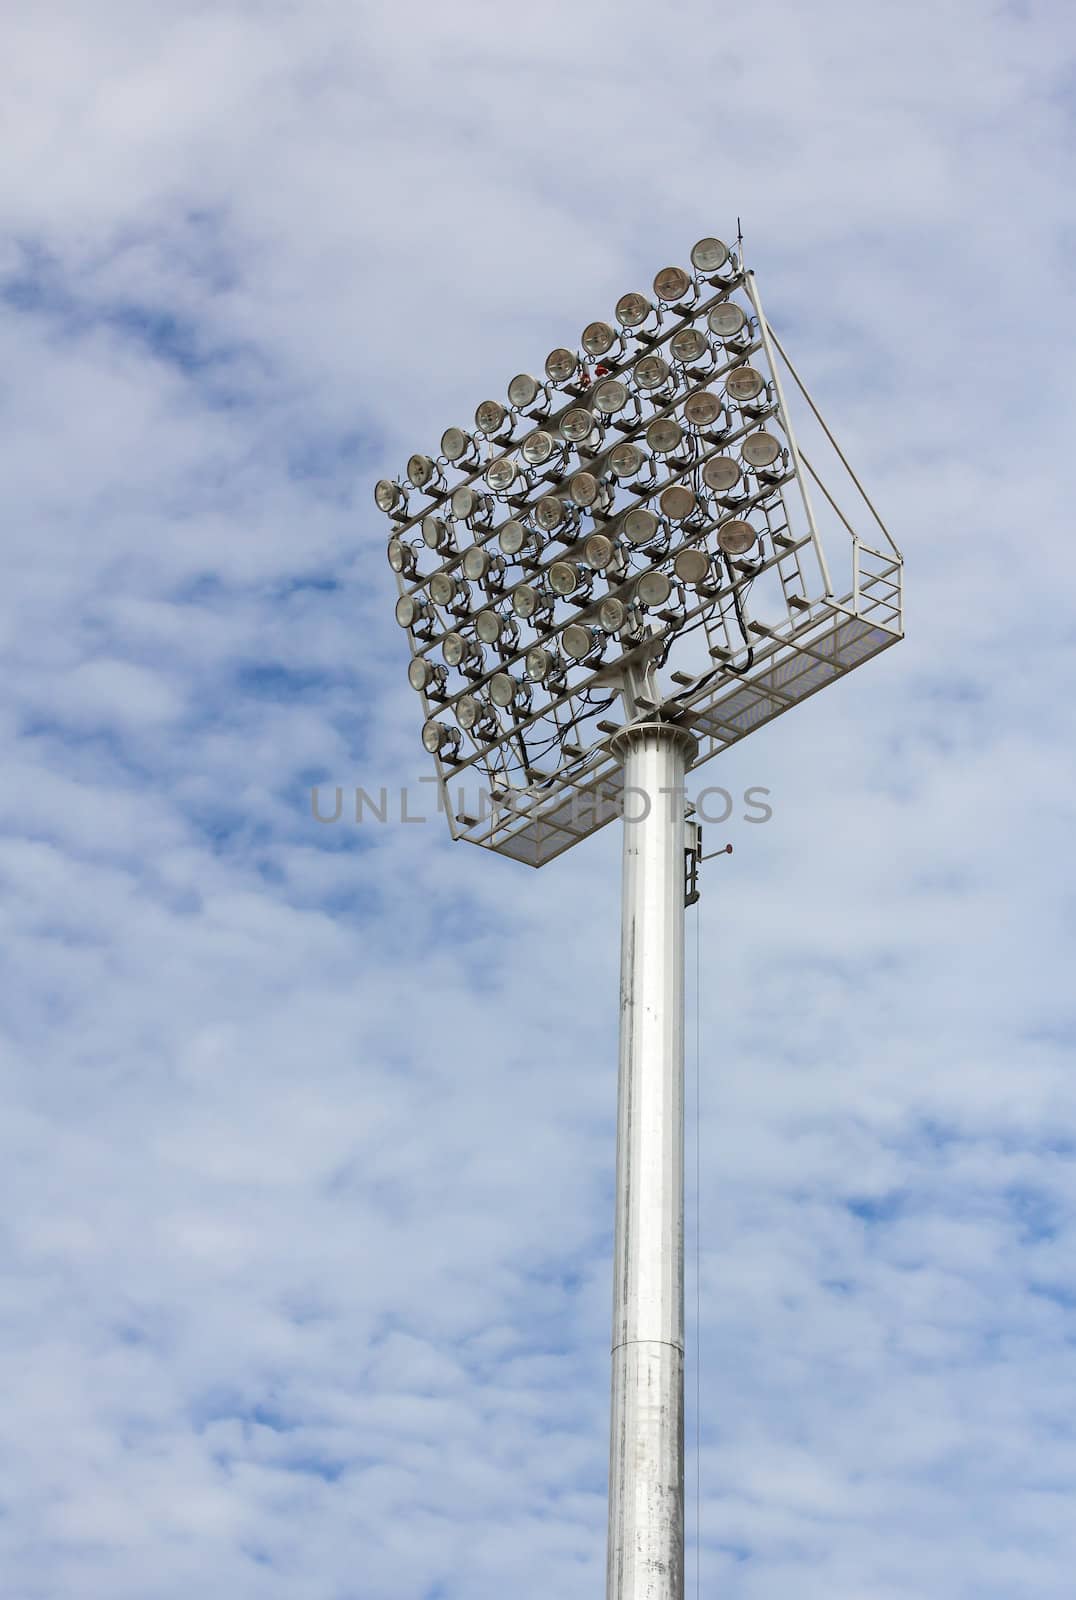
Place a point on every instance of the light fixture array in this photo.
(551, 557)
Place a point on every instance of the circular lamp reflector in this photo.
(726, 320)
(489, 416)
(523, 389)
(502, 689)
(663, 435)
(736, 537)
(487, 625)
(549, 512)
(397, 555)
(760, 449)
(577, 640)
(512, 538)
(677, 502)
(453, 648)
(420, 469)
(610, 397)
(468, 711)
(563, 578)
(537, 447)
(689, 345)
(671, 284)
(598, 338)
(406, 610)
(455, 444)
(500, 475)
(434, 532)
(721, 473)
(560, 364)
(709, 255)
(525, 600)
(538, 663)
(577, 424)
(651, 372)
(640, 526)
(420, 673)
(598, 551)
(625, 460)
(744, 383)
(434, 736)
(692, 566)
(703, 409)
(464, 502)
(611, 615)
(653, 589)
(387, 495)
(475, 563)
(632, 309)
(442, 589)
(583, 489)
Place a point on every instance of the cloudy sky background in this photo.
(308, 1131)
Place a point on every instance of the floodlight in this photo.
(736, 537)
(421, 470)
(721, 473)
(653, 589)
(610, 396)
(626, 460)
(455, 444)
(564, 578)
(677, 502)
(490, 417)
(439, 739)
(726, 320)
(427, 675)
(709, 255)
(472, 712)
(501, 474)
(504, 690)
(744, 383)
(612, 614)
(469, 505)
(702, 409)
(527, 601)
(489, 625)
(435, 532)
(640, 526)
(549, 512)
(664, 435)
(539, 663)
(651, 372)
(632, 310)
(583, 489)
(401, 556)
(512, 538)
(672, 284)
(578, 424)
(598, 338)
(599, 551)
(458, 650)
(760, 449)
(561, 365)
(537, 447)
(523, 390)
(689, 345)
(477, 563)
(580, 641)
(411, 612)
(692, 566)
(443, 589)
(388, 496)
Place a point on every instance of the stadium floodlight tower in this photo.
(614, 574)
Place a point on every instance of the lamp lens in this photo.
(760, 449)
(721, 473)
(560, 364)
(664, 435)
(453, 648)
(610, 397)
(577, 424)
(420, 470)
(500, 475)
(434, 532)
(489, 416)
(433, 736)
(419, 673)
(488, 627)
(468, 710)
(464, 502)
(397, 555)
(538, 664)
(386, 495)
(525, 600)
(653, 588)
(651, 372)
(736, 537)
(611, 614)
(598, 338)
(640, 526)
(502, 689)
(549, 512)
(513, 537)
(677, 503)
(537, 447)
(455, 444)
(583, 489)
(691, 566)
(702, 409)
(632, 309)
(577, 640)
(626, 460)
(709, 255)
(671, 284)
(726, 320)
(744, 383)
(406, 610)
(598, 551)
(523, 389)
(475, 563)
(442, 589)
(689, 345)
(563, 577)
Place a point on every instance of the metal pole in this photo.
(646, 1451)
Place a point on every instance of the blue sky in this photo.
(308, 1131)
